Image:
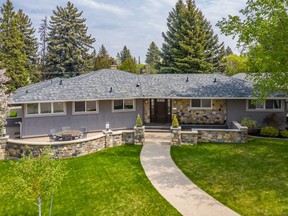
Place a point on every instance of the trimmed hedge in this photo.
(284, 133)
(269, 131)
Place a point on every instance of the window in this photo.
(201, 104)
(32, 109)
(85, 107)
(266, 105)
(43, 109)
(123, 105)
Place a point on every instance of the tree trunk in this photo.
(39, 206)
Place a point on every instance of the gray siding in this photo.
(236, 110)
(33, 126)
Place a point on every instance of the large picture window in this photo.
(47, 108)
(85, 107)
(201, 104)
(123, 105)
(266, 105)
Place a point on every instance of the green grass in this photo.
(109, 182)
(251, 179)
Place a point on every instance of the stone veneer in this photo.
(175, 136)
(237, 135)
(147, 111)
(3, 143)
(139, 135)
(187, 115)
(72, 148)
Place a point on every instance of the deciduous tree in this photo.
(4, 109)
(262, 31)
(35, 179)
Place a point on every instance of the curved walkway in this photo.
(172, 184)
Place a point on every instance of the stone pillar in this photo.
(147, 111)
(108, 138)
(3, 142)
(139, 135)
(244, 134)
(175, 136)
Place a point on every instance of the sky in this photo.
(134, 23)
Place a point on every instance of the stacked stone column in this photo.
(3, 142)
(175, 136)
(139, 137)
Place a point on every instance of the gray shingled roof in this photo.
(97, 85)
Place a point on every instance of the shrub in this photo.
(269, 131)
(139, 122)
(250, 123)
(284, 133)
(175, 123)
(12, 113)
(273, 120)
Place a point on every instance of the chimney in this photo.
(113, 66)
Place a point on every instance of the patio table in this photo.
(74, 133)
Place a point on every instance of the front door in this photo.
(160, 110)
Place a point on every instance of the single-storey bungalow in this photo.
(91, 100)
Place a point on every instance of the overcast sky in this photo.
(135, 23)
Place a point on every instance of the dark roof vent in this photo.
(110, 89)
(215, 80)
(138, 85)
(61, 82)
(187, 80)
(26, 91)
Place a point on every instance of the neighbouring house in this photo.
(117, 97)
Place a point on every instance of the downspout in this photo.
(20, 123)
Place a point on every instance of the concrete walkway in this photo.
(172, 184)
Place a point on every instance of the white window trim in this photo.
(85, 112)
(46, 114)
(201, 108)
(124, 110)
(264, 107)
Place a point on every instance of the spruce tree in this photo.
(31, 45)
(125, 54)
(68, 43)
(153, 58)
(13, 55)
(190, 45)
(43, 31)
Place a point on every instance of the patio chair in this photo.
(52, 135)
(66, 137)
(83, 132)
(66, 128)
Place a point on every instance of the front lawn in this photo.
(109, 182)
(251, 179)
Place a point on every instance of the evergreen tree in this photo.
(13, 55)
(103, 60)
(31, 45)
(68, 43)
(190, 45)
(153, 58)
(229, 51)
(125, 54)
(43, 31)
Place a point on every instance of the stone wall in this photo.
(175, 136)
(237, 135)
(68, 149)
(187, 115)
(147, 111)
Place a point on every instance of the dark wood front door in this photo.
(160, 111)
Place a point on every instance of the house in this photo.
(117, 97)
